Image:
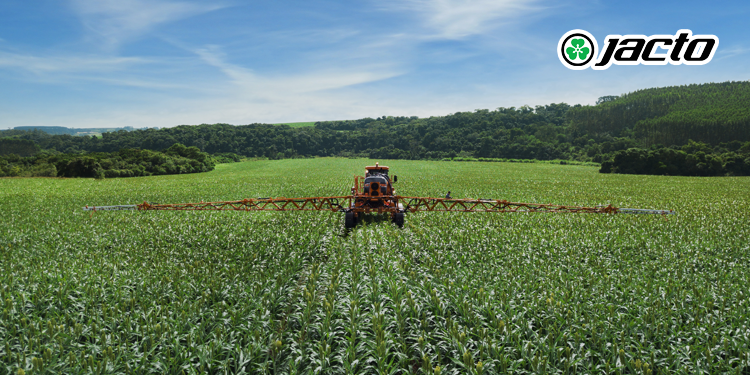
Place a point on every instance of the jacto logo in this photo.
(578, 50)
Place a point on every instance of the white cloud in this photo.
(66, 64)
(731, 52)
(456, 19)
(249, 84)
(242, 97)
(116, 21)
(108, 70)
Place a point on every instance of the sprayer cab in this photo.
(374, 193)
(377, 183)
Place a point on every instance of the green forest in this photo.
(712, 113)
(622, 133)
(692, 159)
(126, 162)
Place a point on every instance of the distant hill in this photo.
(60, 130)
(47, 129)
(710, 113)
(297, 124)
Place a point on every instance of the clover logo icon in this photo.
(577, 50)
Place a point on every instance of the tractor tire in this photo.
(350, 221)
(398, 219)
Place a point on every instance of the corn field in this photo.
(450, 293)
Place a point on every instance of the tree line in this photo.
(126, 162)
(521, 133)
(692, 159)
(649, 120)
(710, 113)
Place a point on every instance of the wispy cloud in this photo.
(267, 86)
(726, 53)
(66, 64)
(116, 21)
(456, 19)
(77, 69)
(247, 96)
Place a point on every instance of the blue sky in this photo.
(146, 63)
